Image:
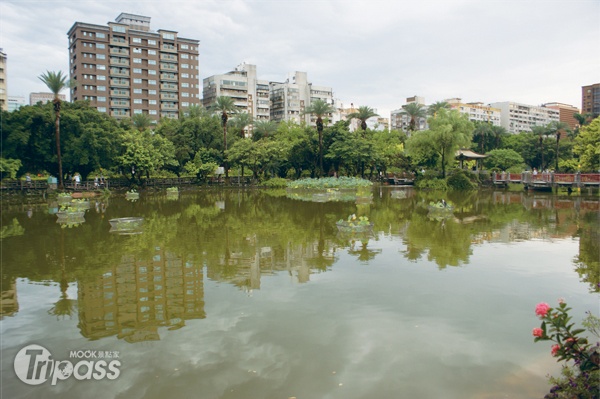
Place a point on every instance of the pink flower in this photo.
(541, 309)
(555, 349)
(538, 332)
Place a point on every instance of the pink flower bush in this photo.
(538, 332)
(542, 309)
(555, 349)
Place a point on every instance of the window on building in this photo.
(151, 52)
(152, 82)
(101, 99)
(137, 91)
(168, 36)
(152, 102)
(185, 75)
(151, 42)
(137, 100)
(101, 109)
(137, 60)
(184, 94)
(137, 81)
(152, 112)
(151, 62)
(120, 29)
(151, 72)
(137, 70)
(152, 92)
(137, 50)
(100, 57)
(186, 56)
(100, 45)
(185, 85)
(101, 88)
(101, 77)
(101, 67)
(136, 40)
(184, 46)
(137, 111)
(100, 35)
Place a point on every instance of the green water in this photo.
(251, 294)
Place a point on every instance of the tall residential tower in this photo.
(124, 68)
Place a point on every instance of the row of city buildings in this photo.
(125, 68)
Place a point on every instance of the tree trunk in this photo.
(58, 155)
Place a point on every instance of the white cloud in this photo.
(373, 53)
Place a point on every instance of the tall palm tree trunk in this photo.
(320, 130)
(57, 136)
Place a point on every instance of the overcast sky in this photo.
(374, 53)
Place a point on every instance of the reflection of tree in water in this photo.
(361, 249)
(446, 242)
(64, 306)
(587, 264)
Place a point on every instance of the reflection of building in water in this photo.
(9, 305)
(298, 261)
(136, 297)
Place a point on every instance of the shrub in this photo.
(432, 184)
(461, 180)
(276, 182)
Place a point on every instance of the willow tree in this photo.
(56, 82)
(319, 108)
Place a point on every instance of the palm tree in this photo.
(363, 114)
(435, 107)
(556, 128)
(225, 106)
(541, 131)
(56, 82)
(240, 121)
(141, 121)
(414, 111)
(319, 108)
(263, 128)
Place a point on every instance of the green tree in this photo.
(587, 146)
(415, 112)
(435, 107)
(225, 106)
(556, 128)
(9, 167)
(263, 128)
(141, 121)
(319, 108)
(144, 152)
(240, 122)
(362, 115)
(503, 159)
(450, 130)
(56, 82)
(481, 136)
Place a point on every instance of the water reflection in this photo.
(252, 287)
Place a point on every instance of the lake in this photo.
(230, 293)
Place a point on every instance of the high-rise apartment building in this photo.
(590, 100)
(289, 99)
(249, 94)
(477, 111)
(15, 102)
(400, 120)
(566, 113)
(3, 89)
(516, 117)
(125, 68)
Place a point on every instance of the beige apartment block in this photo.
(249, 94)
(476, 111)
(565, 113)
(125, 68)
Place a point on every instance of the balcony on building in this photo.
(168, 86)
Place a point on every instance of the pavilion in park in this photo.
(468, 155)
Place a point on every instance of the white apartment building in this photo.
(15, 102)
(35, 98)
(516, 117)
(400, 120)
(289, 99)
(249, 94)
